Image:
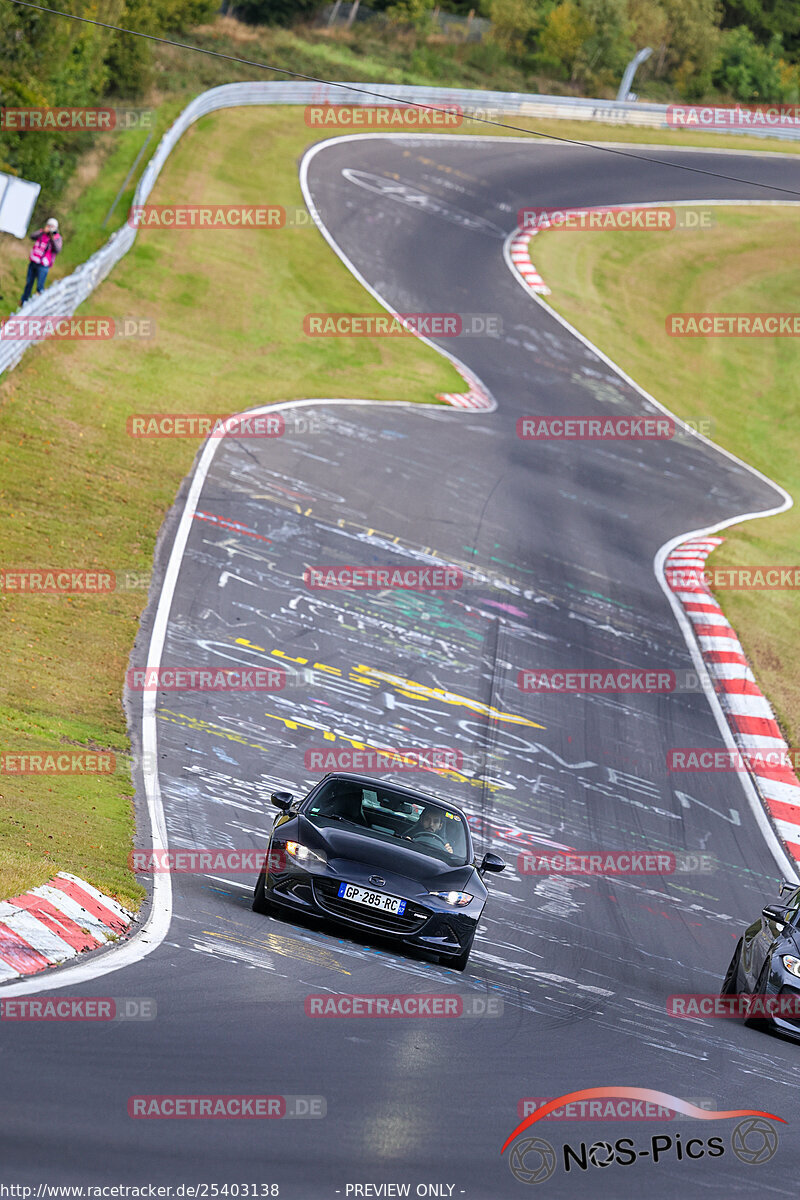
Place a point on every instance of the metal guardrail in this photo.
(64, 297)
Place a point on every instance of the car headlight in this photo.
(457, 899)
(302, 854)
(792, 964)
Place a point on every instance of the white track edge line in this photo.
(152, 933)
(150, 936)
(787, 865)
(462, 368)
(156, 927)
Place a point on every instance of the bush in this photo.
(486, 56)
(275, 12)
(130, 59)
(52, 63)
(587, 41)
(609, 47)
(747, 70)
(564, 36)
(688, 52)
(514, 23)
(415, 14)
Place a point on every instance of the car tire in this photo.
(760, 1023)
(260, 902)
(729, 986)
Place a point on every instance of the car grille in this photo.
(325, 893)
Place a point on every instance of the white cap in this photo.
(52, 223)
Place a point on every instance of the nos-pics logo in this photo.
(533, 1159)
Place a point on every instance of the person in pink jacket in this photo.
(47, 244)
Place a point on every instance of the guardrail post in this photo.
(630, 71)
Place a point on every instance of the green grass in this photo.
(360, 56)
(617, 288)
(77, 491)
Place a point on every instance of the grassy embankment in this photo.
(77, 491)
(617, 288)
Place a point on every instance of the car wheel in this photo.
(260, 902)
(761, 1023)
(730, 985)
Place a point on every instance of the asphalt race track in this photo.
(557, 542)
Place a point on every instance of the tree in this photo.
(513, 24)
(414, 13)
(566, 32)
(608, 47)
(276, 12)
(689, 48)
(764, 19)
(51, 62)
(130, 58)
(747, 70)
(649, 26)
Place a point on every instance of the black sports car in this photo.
(384, 858)
(766, 961)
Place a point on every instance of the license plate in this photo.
(376, 900)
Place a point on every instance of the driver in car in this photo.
(430, 828)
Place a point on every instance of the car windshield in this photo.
(389, 816)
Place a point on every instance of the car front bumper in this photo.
(432, 925)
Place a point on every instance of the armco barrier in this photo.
(63, 298)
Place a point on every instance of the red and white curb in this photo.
(747, 710)
(56, 922)
(520, 254)
(476, 397)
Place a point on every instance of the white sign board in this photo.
(17, 198)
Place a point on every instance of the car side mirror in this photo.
(492, 862)
(775, 913)
(787, 887)
(282, 800)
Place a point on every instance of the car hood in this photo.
(355, 856)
